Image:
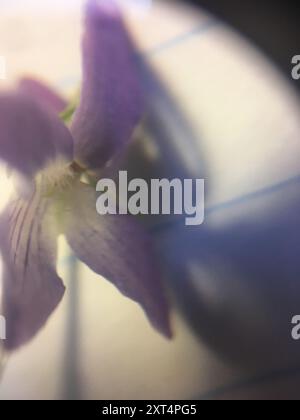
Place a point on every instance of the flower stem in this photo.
(72, 389)
(3, 361)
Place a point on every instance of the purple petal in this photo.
(43, 94)
(117, 248)
(111, 101)
(31, 136)
(31, 287)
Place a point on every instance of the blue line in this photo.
(171, 43)
(234, 202)
(256, 194)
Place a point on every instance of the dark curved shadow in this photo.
(237, 277)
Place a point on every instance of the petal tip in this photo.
(102, 10)
(160, 319)
(167, 332)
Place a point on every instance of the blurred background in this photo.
(223, 106)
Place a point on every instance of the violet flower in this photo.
(51, 159)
